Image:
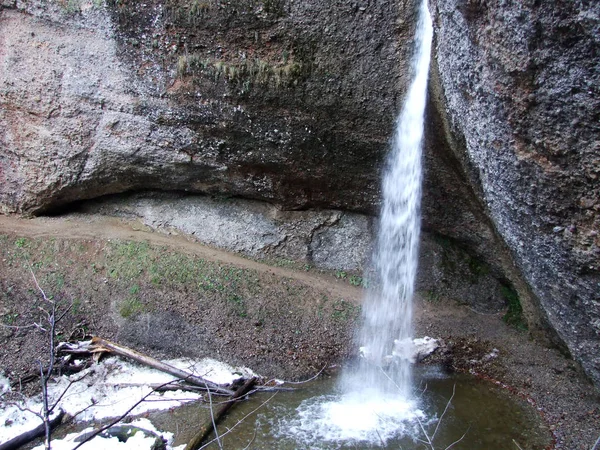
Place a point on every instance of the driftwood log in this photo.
(29, 436)
(98, 345)
(208, 426)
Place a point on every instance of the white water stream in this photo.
(376, 402)
(386, 332)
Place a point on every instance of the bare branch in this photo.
(65, 391)
(251, 441)
(17, 327)
(106, 427)
(37, 284)
(380, 438)
(302, 382)
(519, 447)
(212, 417)
(445, 409)
(45, 412)
(239, 421)
(461, 438)
(425, 433)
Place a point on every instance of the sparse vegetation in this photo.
(514, 314)
(131, 308)
(243, 74)
(344, 310)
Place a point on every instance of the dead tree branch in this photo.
(29, 436)
(205, 430)
(99, 345)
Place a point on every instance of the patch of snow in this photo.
(424, 346)
(137, 441)
(493, 354)
(406, 349)
(4, 384)
(109, 389)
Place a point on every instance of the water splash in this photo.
(387, 312)
(375, 403)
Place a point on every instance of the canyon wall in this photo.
(519, 83)
(273, 117)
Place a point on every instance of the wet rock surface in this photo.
(519, 84)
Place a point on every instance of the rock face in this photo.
(519, 82)
(280, 101)
(292, 103)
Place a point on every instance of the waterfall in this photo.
(387, 311)
(376, 403)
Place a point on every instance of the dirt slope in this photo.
(172, 296)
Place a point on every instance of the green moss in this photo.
(344, 311)
(243, 74)
(21, 243)
(514, 313)
(431, 296)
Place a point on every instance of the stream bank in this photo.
(174, 297)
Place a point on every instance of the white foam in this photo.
(357, 418)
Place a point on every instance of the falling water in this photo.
(375, 403)
(387, 313)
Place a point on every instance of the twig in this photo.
(425, 433)
(251, 440)
(65, 391)
(517, 444)
(380, 438)
(17, 327)
(596, 444)
(389, 378)
(212, 418)
(445, 409)
(46, 411)
(240, 421)
(305, 381)
(106, 427)
(462, 437)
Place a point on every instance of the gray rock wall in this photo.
(520, 84)
(292, 103)
(287, 104)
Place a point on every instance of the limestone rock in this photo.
(519, 84)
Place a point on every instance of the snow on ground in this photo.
(137, 441)
(109, 389)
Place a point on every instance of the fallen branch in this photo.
(117, 420)
(29, 436)
(99, 345)
(205, 429)
(63, 368)
(197, 389)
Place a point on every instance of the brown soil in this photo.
(171, 296)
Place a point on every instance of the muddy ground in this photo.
(170, 296)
